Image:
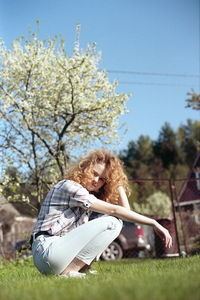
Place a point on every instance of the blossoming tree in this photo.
(52, 104)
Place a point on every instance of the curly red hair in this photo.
(81, 173)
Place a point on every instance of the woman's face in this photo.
(98, 178)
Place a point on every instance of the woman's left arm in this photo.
(123, 199)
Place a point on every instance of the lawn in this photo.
(138, 279)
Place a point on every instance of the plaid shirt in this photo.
(65, 207)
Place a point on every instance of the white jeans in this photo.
(52, 254)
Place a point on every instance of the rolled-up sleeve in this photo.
(84, 199)
(79, 196)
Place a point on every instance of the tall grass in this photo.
(138, 279)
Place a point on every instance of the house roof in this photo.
(7, 211)
(16, 208)
(190, 191)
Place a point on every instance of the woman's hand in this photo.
(163, 234)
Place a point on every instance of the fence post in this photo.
(172, 187)
(181, 220)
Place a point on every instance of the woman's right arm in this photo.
(131, 216)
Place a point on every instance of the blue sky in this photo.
(137, 36)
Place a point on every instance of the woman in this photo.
(64, 242)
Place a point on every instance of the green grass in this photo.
(138, 279)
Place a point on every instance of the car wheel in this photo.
(112, 252)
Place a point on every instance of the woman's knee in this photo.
(114, 223)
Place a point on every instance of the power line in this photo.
(157, 84)
(153, 73)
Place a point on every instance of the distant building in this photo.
(14, 226)
(188, 204)
(190, 192)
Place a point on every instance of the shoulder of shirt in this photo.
(71, 186)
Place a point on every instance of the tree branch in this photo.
(23, 155)
(19, 132)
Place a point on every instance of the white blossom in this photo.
(51, 104)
